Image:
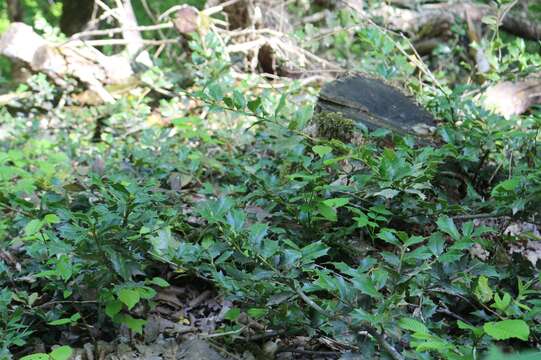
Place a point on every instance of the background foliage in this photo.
(381, 246)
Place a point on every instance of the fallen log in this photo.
(510, 98)
(375, 104)
(439, 17)
(71, 59)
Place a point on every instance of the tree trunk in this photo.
(128, 22)
(75, 15)
(15, 10)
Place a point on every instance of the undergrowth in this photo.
(377, 245)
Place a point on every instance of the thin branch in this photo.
(105, 42)
(308, 352)
(373, 332)
(479, 216)
(218, 8)
(79, 35)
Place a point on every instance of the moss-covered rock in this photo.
(333, 125)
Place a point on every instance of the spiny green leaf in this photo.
(314, 251)
(258, 232)
(363, 283)
(447, 225)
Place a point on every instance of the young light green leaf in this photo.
(321, 150)
(135, 325)
(281, 104)
(146, 292)
(336, 202)
(37, 356)
(413, 325)
(129, 297)
(482, 290)
(508, 185)
(158, 281)
(61, 353)
(51, 219)
(435, 345)
(476, 330)
(232, 314)
(65, 321)
(33, 227)
(507, 329)
(501, 303)
(257, 313)
(327, 212)
(254, 105)
(112, 308)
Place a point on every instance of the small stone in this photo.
(270, 348)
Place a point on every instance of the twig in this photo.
(243, 47)
(149, 11)
(266, 31)
(322, 61)
(199, 299)
(50, 303)
(208, 12)
(216, 9)
(103, 16)
(223, 350)
(105, 42)
(446, 311)
(107, 9)
(478, 216)
(79, 35)
(308, 352)
(316, 17)
(264, 335)
(226, 333)
(373, 332)
(285, 82)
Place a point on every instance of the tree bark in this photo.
(15, 10)
(510, 98)
(75, 15)
(437, 18)
(128, 22)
